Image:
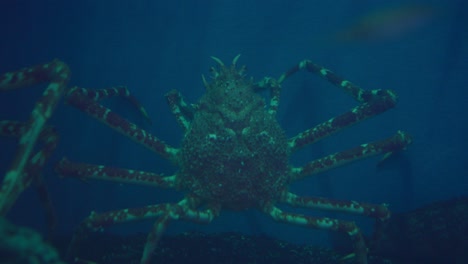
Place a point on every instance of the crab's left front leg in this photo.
(186, 209)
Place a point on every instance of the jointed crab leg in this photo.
(355, 91)
(48, 136)
(373, 102)
(57, 74)
(84, 171)
(181, 110)
(80, 99)
(360, 249)
(33, 169)
(99, 94)
(275, 92)
(98, 221)
(394, 143)
(185, 209)
(333, 125)
(379, 211)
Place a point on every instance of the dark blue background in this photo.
(155, 46)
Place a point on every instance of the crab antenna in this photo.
(218, 61)
(234, 61)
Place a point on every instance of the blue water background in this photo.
(155, 46)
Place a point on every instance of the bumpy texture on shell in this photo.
(234, 152)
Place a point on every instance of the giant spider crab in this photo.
(234, 154)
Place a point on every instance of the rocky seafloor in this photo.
(437, 233)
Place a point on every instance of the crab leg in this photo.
(333, 125)
(379, 211)
(373, 102)
(48, 136)
(181, 110)
(83, 171)
(99, 94)
(324, 223)
(57, 73)
(181, 211)
(275, 92)
(164, 212)
(81, 99)
(394, 143)
(98, 221)
(355, 91)
(33, 169)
